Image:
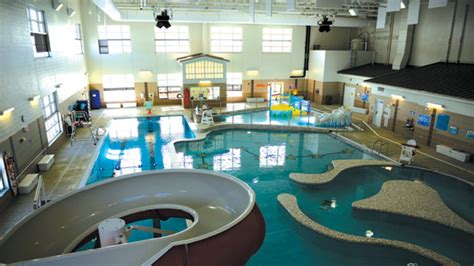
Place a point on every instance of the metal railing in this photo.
(381, 144)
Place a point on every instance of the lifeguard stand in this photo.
(408, 152)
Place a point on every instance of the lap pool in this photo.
(264, 159)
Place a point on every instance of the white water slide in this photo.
(227, 226)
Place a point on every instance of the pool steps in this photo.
(289, 202)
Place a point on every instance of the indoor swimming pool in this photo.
(264, 159)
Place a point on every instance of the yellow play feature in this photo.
(283, 109)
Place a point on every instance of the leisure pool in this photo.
(264, 159)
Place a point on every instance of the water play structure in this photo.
(340, 117)
(285, 105)
(224, 224)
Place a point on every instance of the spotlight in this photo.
(352, 12)
(324, 24)
(163, 20)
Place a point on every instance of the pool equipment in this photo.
(341, 117)
(290, 104)
(226, 222)
(408, 152)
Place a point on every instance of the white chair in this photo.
(207, 117)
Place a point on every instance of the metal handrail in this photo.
(383, 143)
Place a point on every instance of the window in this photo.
(234, 84)
(169, 86)
(49, 106)
(39, 33)
(114, 39)
(226, 39)
(204, 70)
(3, 177)
(119, 88)
(172, 40)
(78, 39)
(276, 40)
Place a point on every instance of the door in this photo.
(349, 96)
(275, 89)
(378, 113)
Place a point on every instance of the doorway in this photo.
(378, 113)
(349, 96)
(275, 89)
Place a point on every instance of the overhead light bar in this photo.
(7, 111)
(398, 97)
(70, 12)
(57, 5)
(252, 73)
(352, 12)
(268, 8)
(434, 105)
(33, 98)
(290, 5)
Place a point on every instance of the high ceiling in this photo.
(311, 8)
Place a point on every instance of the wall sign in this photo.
(453, 130)
(470, 134)
(423, 120)
(442, 122)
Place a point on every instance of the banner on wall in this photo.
(423, 120)
(442, 122)
(11, 172)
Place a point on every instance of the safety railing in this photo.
(379, 145)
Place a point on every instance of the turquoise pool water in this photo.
(264, 159)
(264, 118)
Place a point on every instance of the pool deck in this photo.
(72, 161)
(339, 166)
(413, 199)
(289, 202)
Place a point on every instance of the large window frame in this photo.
(204, 70)
(38, 32)
(3, 178)
(119, 88)
(169, 86)
(78, 48)
(52, 117)
(277, 40)
(172, 40)
(234, 84)
(114, 39)
(226, 39)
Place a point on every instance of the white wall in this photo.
(323, 65)
(23, 76)
(431, 37)
(143, 56)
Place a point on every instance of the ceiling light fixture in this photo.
(57, 5)
(163, 20)
(352, 12)
(9, 110)
(402, 5)
(434, 106)
(33, 98)
(324, 24)
(70, 12)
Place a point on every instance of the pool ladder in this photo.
(378, 146)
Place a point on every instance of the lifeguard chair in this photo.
(207, 117)
(408, 152)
